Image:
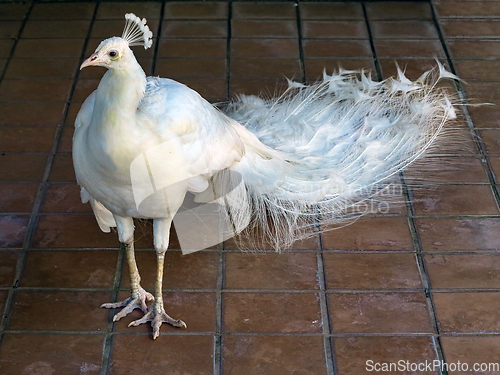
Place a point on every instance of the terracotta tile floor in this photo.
(418, 284)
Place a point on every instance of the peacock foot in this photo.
(157, 315)
(130, 304)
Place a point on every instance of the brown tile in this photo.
(62, 11)
(277, 355)
(413, 68)
(474, 49)
(276, 48)
(459, 234)
(59, 311)
(316, 67)
(13, 228)
(182, 354)
(485, 116)
(197, 310)
(263, 29)
(463, 270)
(271, 312)
(491, 139)
(31, 113)
(42, 68)
(26, 139)
(55, 90)
(467, 9)
(398, 11)
(330, 10)
(83, 88)
(273, 10)
(64, 198)
(195, 10)
(16, 197)
(371, 271)
(191, 68)
(56, 29)
(62, 168)
(408, 48)
(66, 140)
(143, 9)
(352, 353)
(403, 30)
(10, 29)
(467, 312)
(265, 68)
(194, 29)
(271, 271)
(379, 312)
(483, 92)
(46, 354)
(3, 299)
(192, 48)
(470, 28)
(8, 266)
(334, 29)
(22, 167)
(197, 270)
(454, 200)
(477, 69)
(108, 28)
(495, 166)
(453, 169)
(471, 350)
(259, 87)
(71, 231)
(344, 48)
(5, 47)
(374, 233)
(69, 269)
(73, 110)
(13, 11)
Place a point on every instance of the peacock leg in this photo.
(139, 296)
(156, 313)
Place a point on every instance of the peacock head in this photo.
(115, 52)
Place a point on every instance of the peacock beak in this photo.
(92, 60)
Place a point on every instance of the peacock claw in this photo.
(157, 316)
(130, 304)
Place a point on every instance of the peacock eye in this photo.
(113, 54)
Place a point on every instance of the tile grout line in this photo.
(21, 253)
(302, 65)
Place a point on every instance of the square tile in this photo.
(477, 69)
(69, 269)
(177, 353)
(46, 354)
(61, 11)
(371, 271)
(467, 312)
(334, 29)
(64, 197)
(26, 139)
(10, 29)
(22, 167)
(330, 10)
(192, 48)
(263, 10)
(59, 311)
(470, 28)
(271, 312)
(403, 30)
(265, 68)
(71, 231)
(332, 47)
(370, 233)
(8, 267)
(360, 355)
(467, 9)
(484, 91)
(379, 312)
(263, 29)
(191, 68)
(485, 116)
(471, 350)
(13, 229)
(31, 113)
(5, 47)
(459, 234)
(197, 310)
(42, 68)
(56, 29)
(259, 87)
(194, 29)
(446, 169)
(13, 11)
(277, 355)
(196, 10)
(54, 90)
(474, 49)
(193, 271)
(273, 48)
(49, 48)
(17, 197)
(271, 271)
(454, 200)
(143, 9)
(62, 168)
(402, 10)
(397, 48)
(491, 139)
(463, 270)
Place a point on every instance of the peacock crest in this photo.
(136, 32)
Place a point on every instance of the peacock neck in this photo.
(118, 97)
